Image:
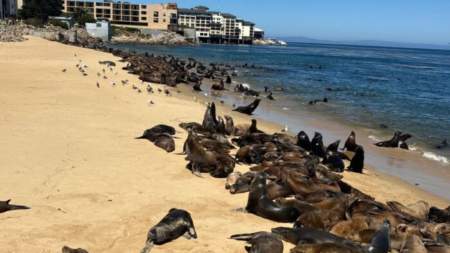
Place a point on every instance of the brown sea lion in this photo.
(277, 189)
(260, 204)
(261, 242)
(350, 143)
(209, 119)
(436, 247)
(347, 227)
(175, 224)
(362, 207)
(5, 206)
(321, 219)
(420, 208)
(231, 179)
(300, 185)
(413, 244)
(317, 196)
(229, 125)
(405, 211)
(249, 108)
(66, 249)
(303, 207)
(209, 144)
(198, 128)
(439, 215)
(220, 126)
(166, 142)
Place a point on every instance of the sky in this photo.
(412, 21)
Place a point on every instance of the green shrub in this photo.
(36, 22)
(58, 23)
(116, 29)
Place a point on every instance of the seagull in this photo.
(84, 65)
(159, 90)
(115, 73)
(84, 74)
(142, 82)
(149, 89)
(178, 91)
(195, 99)
(285, 129)
(110, 68)
(64, 70)
(103, 71)
(104, 77)
(206, 94)
(112, 83)
(167, 92)
(75, 55)
(133, 87)
(98, 74)
(98, 85)
(150, 102)
(77, 65)
(125, 82)
(138, 91)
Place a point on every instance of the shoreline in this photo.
(93, 185)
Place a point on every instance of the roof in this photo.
(248, 23)
(192, 11)
(258, 29)
(227, 15)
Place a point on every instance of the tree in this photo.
(40, 9)
(83, 16)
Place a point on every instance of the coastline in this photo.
(68, 152)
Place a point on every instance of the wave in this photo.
(436, 157)
(373, 137)
(246, 85)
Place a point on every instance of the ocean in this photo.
(408, 90)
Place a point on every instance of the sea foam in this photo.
(435, 157)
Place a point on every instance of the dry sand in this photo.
(68, 151)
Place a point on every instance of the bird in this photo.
(142, 82)
(84, 65)
(64, 70)
(103, 71)
(98, 74)
(206, 94)
(133, 87)
(77, 65)
(110, 69)
(178, 91)
(285, 129)
(84, 74)
(138, 91)
(149, 89)
(112, 83)
(98, 85)
(159, 90)
(124, 82)
(167, 92)
(115, 73)
(104, 77)
(150, 102)
(75, 55)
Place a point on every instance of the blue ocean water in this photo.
(406, 89)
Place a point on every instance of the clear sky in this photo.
(414, 21)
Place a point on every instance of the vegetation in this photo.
(58, 23)
(116, 30)
(83, 16)
(40, 9)
(36, 22)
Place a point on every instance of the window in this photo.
(143, 12)
(155, 20)
(99, 25)
(155, 14)
(164, 14)
(143, 18)
(173, 15)
(164, 20)
(144, 6)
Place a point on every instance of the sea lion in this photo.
(404, 145)
(347, 227)
(110, 63)
(151, 133)
(166, 142)
(231, 179)
(404, 137)
(303, 141)
(220, 126)
(413, 244)
(317, 196)
(392, 143)
(303, 207)
(381, 241)
(325, 248)
(333, 161)
(260, 204)
(66, 249)
(350, 143)
(209, 119)
(444, 144)
(403, 210)
(5, 206)
(317, 147)
(249, 108)
(439, 215)
(229, 125)
(321, 219)
(357, 163)
(176, 223)
(334, 146)
(270, 96)
(262, 242)
(435, 247)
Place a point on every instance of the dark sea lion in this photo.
(220, 126)
(404, 137)
(439, 215)
(383, 126)
(229, 125)
(196, 86)
(321, 219)
(262, 242)
(436, 247)
(404, 145)
(249, 108)
(334, 146)
(165, 142)
(176, 223)
(231, 179)
(306, 235)
(152, 133)
(333, 161)
(197, 128)
(260, 204)
(303, 141)
(444, 144)
(270, 96)
(303, 207)
(350, 143)
(209, 119)
(413, 244)
(66, 249)
(317, 147)
(381, 241)
(325, 248)
(5, 206)
(357, 163)
(392, 143)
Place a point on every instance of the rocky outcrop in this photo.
(10, 32)
(165, 38)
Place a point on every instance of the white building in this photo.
(240, 27)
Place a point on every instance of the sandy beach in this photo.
(68, 151)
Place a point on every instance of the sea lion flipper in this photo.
(242, 237)
(198, 174)
(187, 236)
(148, 247)
(239, 210)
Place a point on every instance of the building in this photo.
(249, 31)
(100, 29)
(259, 34)
(68, 21)
(200, 19)
(142, 16)
(9, 7)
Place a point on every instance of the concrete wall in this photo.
(190, 35)
(100, 30)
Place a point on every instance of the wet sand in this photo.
(68, 151)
